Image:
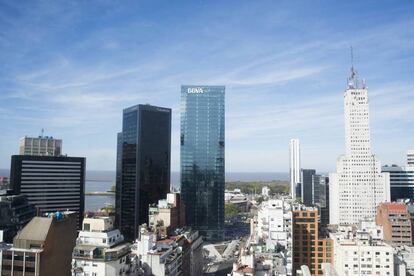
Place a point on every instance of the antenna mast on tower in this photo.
(352, 58)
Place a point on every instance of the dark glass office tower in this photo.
(143, 165)
(307, 186)
(320, 197)
(202, 158)
(15, 213)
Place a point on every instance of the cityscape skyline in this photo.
(278, 85)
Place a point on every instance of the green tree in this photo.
(230, 210)
(260, 199)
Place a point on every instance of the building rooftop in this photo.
(36, 230)
(395, 206)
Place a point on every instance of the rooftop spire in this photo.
(353, 81)
(352, 58)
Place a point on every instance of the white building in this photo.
(265, 191)
(268, 250)
(100, 250)
(358, 186)
(404, 261)
(361, 251)
(274, 222)
(235, 195)
(294, 166)
(158, 258)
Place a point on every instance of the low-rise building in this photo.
(360, 250)
(268, 250)
(191, 242)
(158, 257)
(404, 261)
(101, 251)
(43, 247)
(167, 215)
(395, 220)
(274, 219)
(4, 183)
(266, 191)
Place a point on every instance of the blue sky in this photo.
(71, 67)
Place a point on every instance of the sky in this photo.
(71, 67)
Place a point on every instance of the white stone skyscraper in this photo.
(294, 166)
(358, 186)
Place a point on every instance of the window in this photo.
(86, 227)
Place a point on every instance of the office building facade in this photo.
(320, 197)
(410, 158)
(308, 248)
(401, 181)
(396, 223)
(143, 163)
(42, 145)
(358, 186)
(306, 178)
(50, 183)
(295, 173)
(202, 158)
(15, 213)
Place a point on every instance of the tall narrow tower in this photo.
(143, 165)
(202, 158)
(294, 168)
(358, 186)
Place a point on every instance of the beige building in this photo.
(395, 220)
(42, 145)
(43, 247)
(167, 215)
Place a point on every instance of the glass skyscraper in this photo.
(306, 179)
(143, 165)
(202, 158)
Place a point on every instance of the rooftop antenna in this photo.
(42, 132)
(352, 58)
(352, 81)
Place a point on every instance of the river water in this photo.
(102, 181)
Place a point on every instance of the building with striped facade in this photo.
(50, 183)
(410, 158)
(401, 181)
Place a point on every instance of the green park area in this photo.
(251, 187)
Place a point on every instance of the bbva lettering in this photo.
(195, 90)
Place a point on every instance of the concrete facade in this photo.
(396, 223)
(358, 186)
